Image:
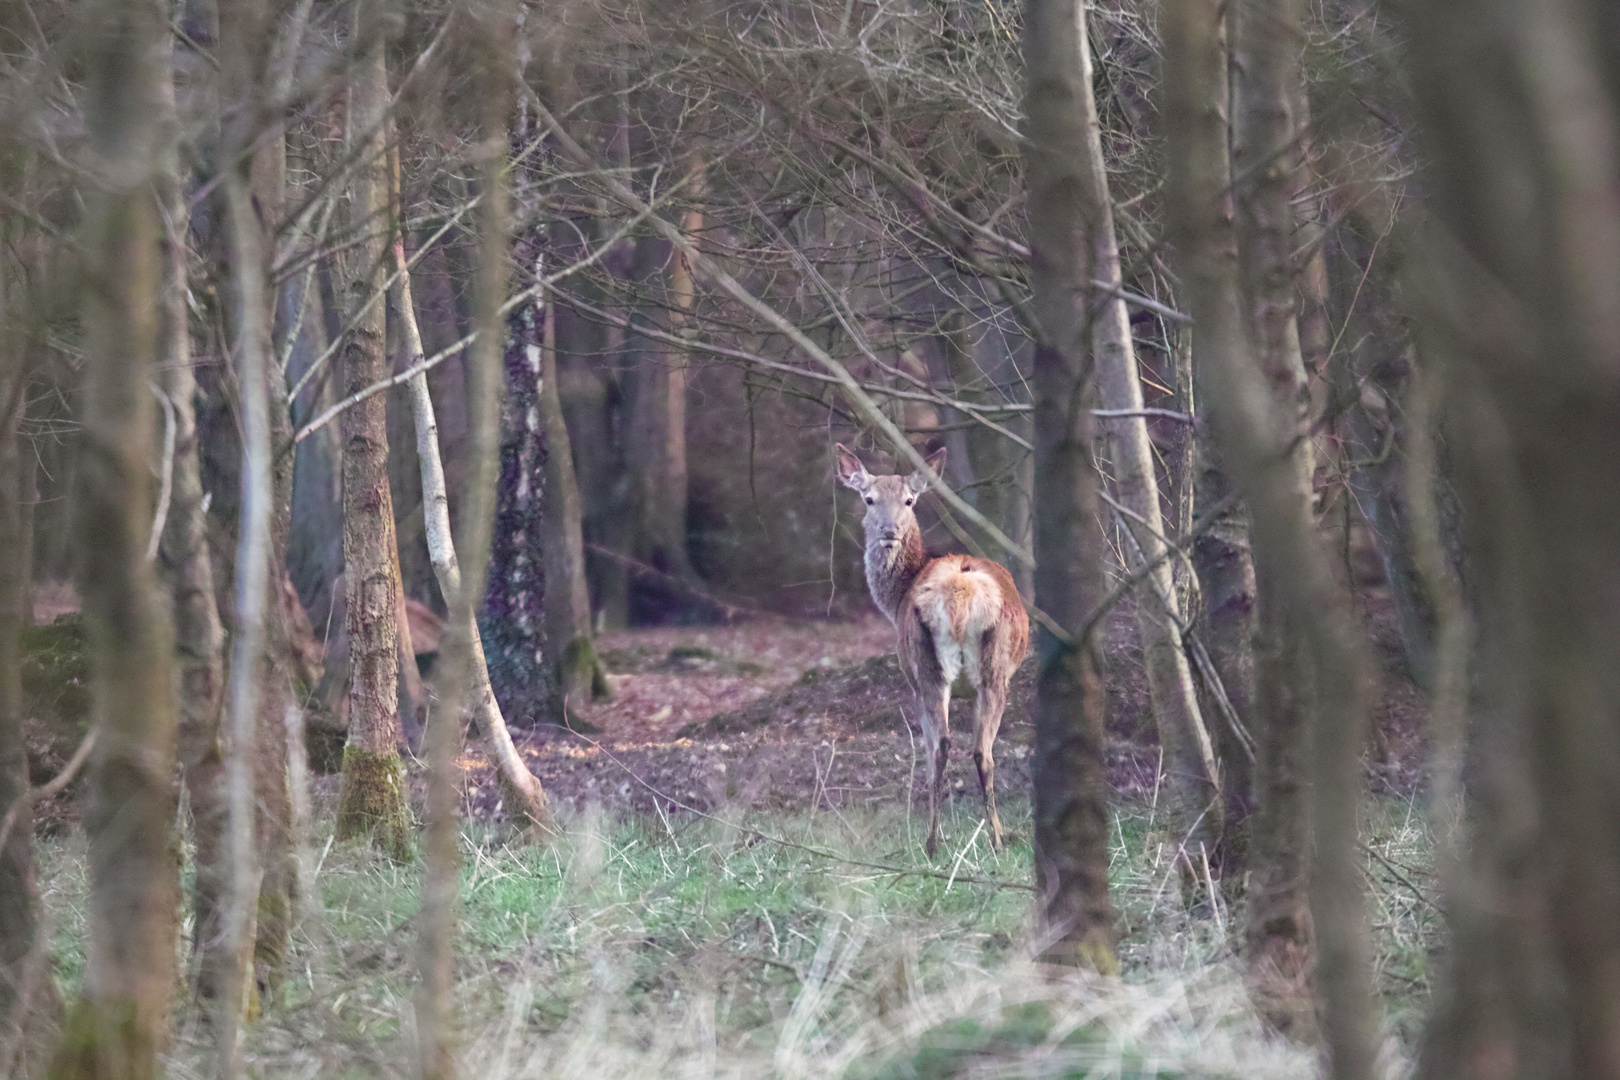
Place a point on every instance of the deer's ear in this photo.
(851, 473)
(917, 481)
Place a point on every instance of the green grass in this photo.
(652, 947)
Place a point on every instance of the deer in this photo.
(955, 615)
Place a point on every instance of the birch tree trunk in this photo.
(521, 792)
(120, 1023)
(373, 798)
(1071, 780)
(512, 616)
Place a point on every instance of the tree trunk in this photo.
(373, 801)
(29, 1006)
(511, 620)
(186, 568)
(493, 35)
(1257, 443)
(589, 399)
(1071, 781)
(521, 793)
(120, 1024)
(1194, 775)
(1520, 115)
(568, 599)
(1267, 45)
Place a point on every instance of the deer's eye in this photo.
(870, 500)
(910, 501)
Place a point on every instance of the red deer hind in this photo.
(955, 615)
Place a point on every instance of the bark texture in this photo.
(120, 1023)
(511, 620)
(1071, 782)
(1279, 937)
(1257, 445)
(185, 565)
(29, 1005)
(568, 599)
(1196, 107)
(1194, 787)
(373, 798)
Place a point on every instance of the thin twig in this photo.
(50, 788)
(160, 515)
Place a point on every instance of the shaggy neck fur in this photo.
(891, 568)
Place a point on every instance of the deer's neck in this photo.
(891, 568)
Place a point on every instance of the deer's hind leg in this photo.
(936, 704)
(988, 707)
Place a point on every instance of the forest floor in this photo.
(780, 714)
(737, 889)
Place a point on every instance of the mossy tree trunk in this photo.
(373, 800)
(120, 1023)
(568, 598)
(1071, 780)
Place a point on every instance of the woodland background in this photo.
(1276, 350)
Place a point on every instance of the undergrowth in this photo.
(660, 947)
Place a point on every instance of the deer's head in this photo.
(890, 500)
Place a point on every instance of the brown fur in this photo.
(955, 612)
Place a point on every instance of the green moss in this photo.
(580, 666)
(56, 681)
(373, 804)
(104, 1042)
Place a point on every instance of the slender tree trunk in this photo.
(1521, 122)
(568, 599)
(278, 691)
(494, 34)
(1194, 781)
(1071, 781)
(120, 1023)
(29, 1006)
(186, 567)
(521, 793)
(1268, 43)
(373, 797)
(1259, 447)
(1196, 129)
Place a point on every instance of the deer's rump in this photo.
(968, 610)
